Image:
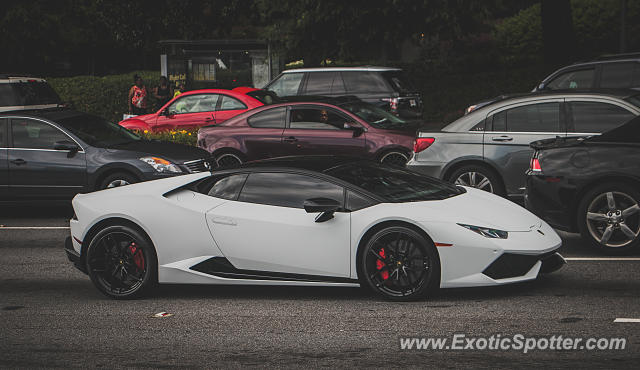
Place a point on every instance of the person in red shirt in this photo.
(138, 97)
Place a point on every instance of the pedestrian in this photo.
(180, 89)
(162, 92)
(138, 97)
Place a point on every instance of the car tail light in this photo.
(534, 166)
(393, 103)
(422, 143)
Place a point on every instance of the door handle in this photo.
(502, 138)
(223, 221)
(19, 161)
(290, 139)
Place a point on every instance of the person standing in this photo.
(180, 90)
(138, 97)
(162, 92)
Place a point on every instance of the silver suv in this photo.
(18, 92)
(489, 148)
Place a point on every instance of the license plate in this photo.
(412, 102)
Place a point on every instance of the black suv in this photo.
(53, 154)
(382, 86)
(619, 71)
(19, 92)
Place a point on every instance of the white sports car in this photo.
(313, 221)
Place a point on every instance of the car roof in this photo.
(15, 78)
(214, 91)
(345, 69)
(316, 163)
(52, 114)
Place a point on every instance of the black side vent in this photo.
(510, 265)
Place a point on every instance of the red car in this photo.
(351, 128)
(197, 108)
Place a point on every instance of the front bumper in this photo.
(73, 256)
(512, 265)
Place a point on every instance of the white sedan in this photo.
(307, 221)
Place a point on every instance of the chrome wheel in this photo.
(229, 160)
(613, 219)
(116, 183)
(395, 159)
(475, 180)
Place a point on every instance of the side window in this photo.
(3, 133)
(543, 117)
(322, 83)
(594, 117)
(618, 75)
(194, 104)
(271, 118)
(581, 79)
(287, 190)
(356, 202)
(287, 84)
(499, 121)
(229, 103)
(31, 134)
(316, 119)
(228, 187)
(364, 82)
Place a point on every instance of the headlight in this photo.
(487, 232)
(161, 165)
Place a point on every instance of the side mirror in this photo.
(327, 207)
(166, 112)
(67, 145)
(541, 87)
(357, 129)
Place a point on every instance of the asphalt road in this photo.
(51, 315)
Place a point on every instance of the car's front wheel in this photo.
(121, 262)
(609, 217)
(399, 264)
(117, 179)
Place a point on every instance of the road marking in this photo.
(626, 320)
(162, 314)
(602, 258)
(34, 227)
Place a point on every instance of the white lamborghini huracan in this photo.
(311, 221)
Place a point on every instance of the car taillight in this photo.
(422, 143)
(393, 103)
(534, 166)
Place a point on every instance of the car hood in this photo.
(480, 208)
(177, 153)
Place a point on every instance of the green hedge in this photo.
(103, 96)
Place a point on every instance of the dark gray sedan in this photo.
(489, 148)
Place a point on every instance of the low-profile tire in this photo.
(613, 207)
(117, 179)
(121, 262)
(394, 158)
(229, 160)
(479, 177)
(399, 264)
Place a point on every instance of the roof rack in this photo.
(618, 56)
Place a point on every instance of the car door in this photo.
(4, 162)
(587, 116)
(188, 112)
(511, 129)
(319, 130)
(268, 230)
(39, 171)
(264, 138)
(228, 107)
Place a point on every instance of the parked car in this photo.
(197, 108)
(618, 71)
(591, 185)
(307, 221)
(55, 154)
(297, 128)
(382, 86)
(19, 92)
(489, 148)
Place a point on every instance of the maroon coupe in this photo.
(352, 128)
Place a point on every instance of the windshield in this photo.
(95, 131)
(27, 93)
(265, 97)
(376, 117)
(394, 184)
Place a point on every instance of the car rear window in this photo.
(364, 82)
(27, 93)
(399, 82)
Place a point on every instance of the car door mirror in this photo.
(325, 206)
(357, 129)
(67, 145)
(166, 112)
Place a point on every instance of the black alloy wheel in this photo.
(121, 262)
(395, 159)
(399, 264)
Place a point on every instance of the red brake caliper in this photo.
(380, 265)
(138, 257)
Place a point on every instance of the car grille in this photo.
(198, 165)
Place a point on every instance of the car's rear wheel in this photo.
(228, 160)
(609, 217)
(394, 158)
(478, 177)
(399, 264)
(117, 179)
(121, 262)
